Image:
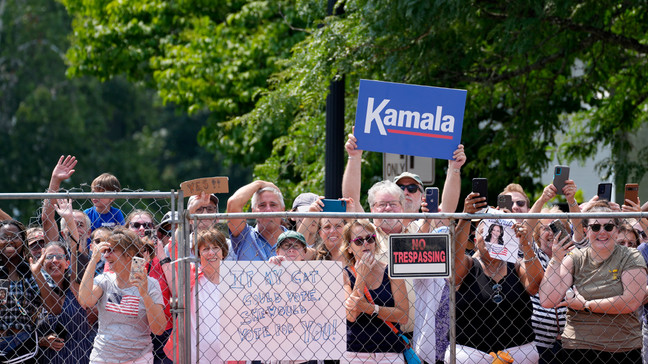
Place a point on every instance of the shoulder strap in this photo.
(368, 296)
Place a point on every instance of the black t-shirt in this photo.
(486, 325)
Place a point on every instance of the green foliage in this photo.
(262, 69)
(110, 127)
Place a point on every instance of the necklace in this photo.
(489, 271)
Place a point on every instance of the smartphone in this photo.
(331, 205)
(137, 265)
(505, 202)
(561, 174)
(605, 191)
(556, 227)
(61, 332)
(480, 185)
(4, 291)
(432, 199)
(631, 192)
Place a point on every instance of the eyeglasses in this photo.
(287, 245)
(497, 297)
(369, 239)
(520, 203)
(608, 227)
(206, 249)
(37, 242)
(207, 210)
(55, 256)
(383, 205)
(410, 188)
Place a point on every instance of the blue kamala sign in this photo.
(406, 119)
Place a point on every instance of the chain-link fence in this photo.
(70, 289)
(238, 287)
(521, 293)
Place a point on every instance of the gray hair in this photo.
(387, 186)
(256, 195)
(87, 220)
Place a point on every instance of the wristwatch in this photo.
(376, 310)
(165, 261)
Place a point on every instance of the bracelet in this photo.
(574, 204)
(585, 308)
(73, 239)
(165, 261)
(530, 259)
(456, 170)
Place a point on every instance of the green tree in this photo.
(113, 126)
(532, 69)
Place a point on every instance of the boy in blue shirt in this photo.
(102, 214)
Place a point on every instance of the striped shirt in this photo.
(547, 323)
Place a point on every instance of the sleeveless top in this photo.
(370, 334)
(486, 325)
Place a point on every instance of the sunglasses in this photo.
(597, 227)
(207, 210)
(497, 297)
(55, 256)
(162, 232)
(642, 234)
(410, 188)
(291, 245)
(369, 239)
(520, 203)
(145, 225)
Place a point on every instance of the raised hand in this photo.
(64, 169)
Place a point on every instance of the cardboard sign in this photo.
(292, 311)
(419, 255)
(500, 239)
(406, 119)
(208, 185)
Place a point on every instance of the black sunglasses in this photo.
(145, 225)
(497, 297)
(597, 227)
(520, 203)
(410, 188)
(359, 241)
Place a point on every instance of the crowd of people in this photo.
(95, 286)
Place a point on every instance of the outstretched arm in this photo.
(452, 185)
(63, 170)
(352, 178)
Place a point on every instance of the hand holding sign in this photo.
(458, 158)
(351, 146)
(409, 119)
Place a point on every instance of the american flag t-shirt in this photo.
(127, 305)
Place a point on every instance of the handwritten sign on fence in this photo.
(292, 311)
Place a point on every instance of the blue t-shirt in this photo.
(110, 219)
(251, 245)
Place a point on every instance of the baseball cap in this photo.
(212, 197)
(413, 176)
(291, 234)
(304, 199)
(166, 219)
(34, 235)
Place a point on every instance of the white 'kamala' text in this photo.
(406, 119)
